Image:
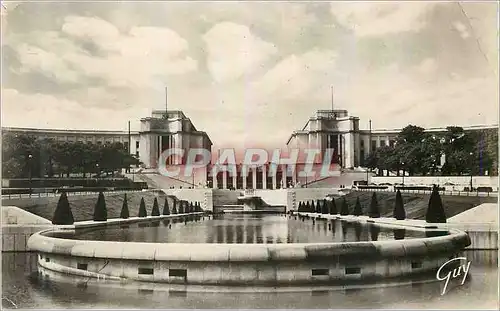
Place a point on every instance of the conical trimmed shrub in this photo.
(374, 210)
(374, 231)
(166, 210)
(324, 207)
(333, 207)
(313, 207)
(156, 210)
(435, 211)
(174, 207)
(308, 207)
(191, 207)
(100, 211)
(318, 206)
(358, 211)
(63, 214)
(299, 207)
(182, 204)
(344, 210)
(142, 209)
(399, 210)
(124, 214)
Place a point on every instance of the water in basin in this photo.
(245, 229)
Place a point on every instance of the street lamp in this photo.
(29, 171)
(471, 164)
(97, 169)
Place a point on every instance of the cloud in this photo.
(36, 59)
(144, 57)
(462, 29)
(381, 18)
(421, 95)
(298, 75)
(233, 51)
(398, 63)
(47, 111)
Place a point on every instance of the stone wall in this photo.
(204, 196)
(248, 264)
(459, 181)
(17, 226)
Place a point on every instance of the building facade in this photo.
(158, 132)
(168, 130)
(326, 129)
(336, 129)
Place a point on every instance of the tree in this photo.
(124, 213)
(181, 207)
(155, 211)
(142, 209)
(63, 214)
(374, 210)
(333, 207)
(358, 211)
(313, 207)
(191, 207)
(100, 211)
(399, 210)
(435, 211)
(308, 207)
(166, 210)
(174, 207)
(344, 210)
(410, 142)
(299, 207)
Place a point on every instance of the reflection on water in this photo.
(399, 234)
(246, 229)
(26, 288)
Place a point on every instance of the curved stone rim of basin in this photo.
(216, 252)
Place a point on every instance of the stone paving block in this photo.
(139, 251)
(251, 253)
(172, 252)
(212, 274)
(113, 250)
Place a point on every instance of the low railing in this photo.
(53, 195)
(249, 192)
(442, 192)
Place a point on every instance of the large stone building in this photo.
(327, 129)
(336, 129)
(166, 131)
(158, 132)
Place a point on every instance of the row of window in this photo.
(356, 270)
(374, 143)
(183, 272)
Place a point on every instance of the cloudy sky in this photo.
(248, 73)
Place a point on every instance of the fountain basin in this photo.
(246, 264)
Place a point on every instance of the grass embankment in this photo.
(415, 204)
(82, 207)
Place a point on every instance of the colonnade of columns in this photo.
(248, 178)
